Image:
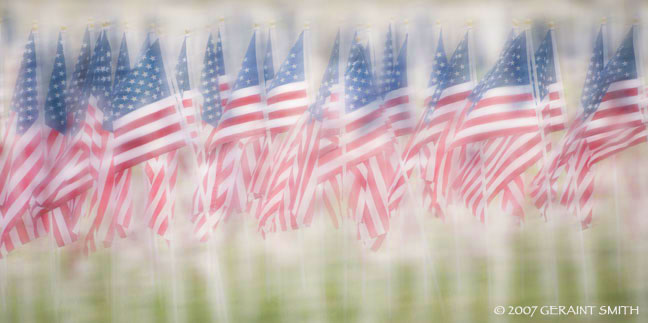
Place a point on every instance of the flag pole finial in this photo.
(551, 24)
(635, 21)
(221, 19)
(527, 23)
(63, 28)
(91, 22)
(405, 21)
(515, 22)
(272, 23)
(603, 20)
(105, 24)
(187, 31)
(34, 25)
(469, 23)
(307, 25)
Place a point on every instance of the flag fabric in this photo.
(612, 106)
(287, 103)
(384, 81)
(214, 166)
(365, 130)
(268, 62)
(287, 98)
(330, 109)
(550, 89)
(568, 145)
(145, 122)
(448, 89)
(26, 151)
(502, 103)
(162, 171)
(365, 141)
(396, 104)
(242, 117)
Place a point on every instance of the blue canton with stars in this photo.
(446, 75)
(399, 72)
(545, 65)
(77, 95)
(54, 111)
(25, 98)
(182, 69)
(209, 87)
(220, 56)
(249, 74)
(386, 79)
(145, 84)
(268, 62)
(292, 69)
(123, 62)
(439, 65)
(594, 72)
(621, 67)
(360, 89)
(510, 70)
(101, 80)
(330, 79)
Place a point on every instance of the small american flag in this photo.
(502, 103)
(612, 105)
(23, 158)
(550, 90)
(397, 96)
(146, 123)
(243, 115)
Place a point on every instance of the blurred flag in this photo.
(502, 103)
(396, 96)
(23, 158)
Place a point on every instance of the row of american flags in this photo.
(266, 144)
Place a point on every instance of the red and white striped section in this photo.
(513, 198)
(369, 201)
(25, 229)
(398, 111)
(242, 118)
(189, 112)
(579, 185)
(147, 132)
(365, 135)
(618, 122)
(26, 158)
(506, 158)
(286, 103)
(502, 111)
(554, 116)
(469, 184)
(161, 173)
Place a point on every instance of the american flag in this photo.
(287, 102)
(63, 218)
(396, 104)
(287, 98)
(448, 88)
(365, 141)
(145, 121)
(243, 115)
(329, 110)
(612, 105)
(550, 89)
(365, 129)
(568, 145)
(161, 172)
(384, 81)
(214, 166)
(26, 148)
(502, 103)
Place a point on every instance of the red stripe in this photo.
(147, 119)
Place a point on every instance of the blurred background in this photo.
(429, 270)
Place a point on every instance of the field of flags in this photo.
(167, 147)
(265, 143)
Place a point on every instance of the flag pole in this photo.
(343, 198)
(531, 63)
